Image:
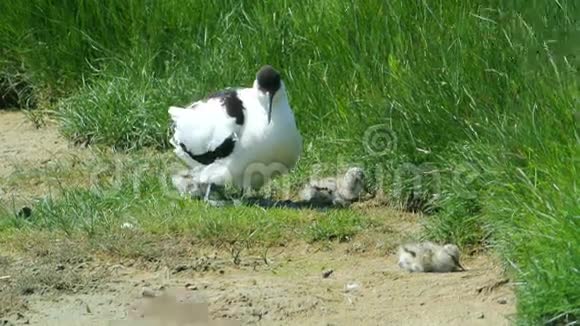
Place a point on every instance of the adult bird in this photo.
(239, 136)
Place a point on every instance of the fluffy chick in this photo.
(335, 191)
(429, 257)
(186, 185)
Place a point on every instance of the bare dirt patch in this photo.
(24, 144)
(295, 288)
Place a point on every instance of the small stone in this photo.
(480, 315)
(27, 291)
(148, 293)
(351, 287)
(191, 287)
(180, 268)
(327, 273)
(502, 301)
(222, 272)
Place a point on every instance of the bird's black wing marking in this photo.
(235, 109)
(223, 150)
(234, 106)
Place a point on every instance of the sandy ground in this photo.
(364, 288)
(291, 290)
(21, 143)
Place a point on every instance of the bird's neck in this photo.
(279, 106)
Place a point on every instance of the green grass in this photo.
(137, 189)
(480, 100)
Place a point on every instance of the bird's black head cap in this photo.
(269, 79)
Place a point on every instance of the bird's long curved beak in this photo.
(270, 98)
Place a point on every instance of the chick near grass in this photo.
(185, 181)
(340, 191)
(429, 257)
(185, 184)
(335, 191)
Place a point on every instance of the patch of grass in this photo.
(122, 206)
(136, 189)
(122, 112)
(341, 227)
(540, 239)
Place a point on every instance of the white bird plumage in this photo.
(235, 137)
(202, 127)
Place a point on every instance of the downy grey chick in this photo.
(186, 185)
(335, 191)
(429, 257)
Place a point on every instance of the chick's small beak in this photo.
(456, 261)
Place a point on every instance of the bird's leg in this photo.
(207, 191)
(211, 202)
(239, 200)
(237, 196)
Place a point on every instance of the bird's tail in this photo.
(175, 112)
